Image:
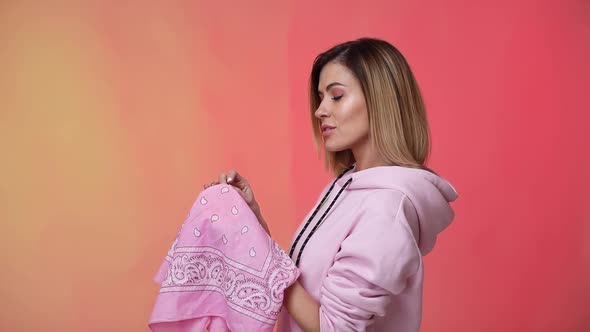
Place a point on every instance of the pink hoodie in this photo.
(363, 264)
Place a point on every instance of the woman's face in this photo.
(343, 111)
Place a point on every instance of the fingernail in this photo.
(228, 179)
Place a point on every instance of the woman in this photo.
(360, 249)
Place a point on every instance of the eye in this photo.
(336, 98)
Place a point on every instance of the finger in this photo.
(241, 193)
(235, 177)
(207, 185)
(232, 176)
(222, 178)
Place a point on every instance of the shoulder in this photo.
(385, 202)
(383, 208)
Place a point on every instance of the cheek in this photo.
(354, 116)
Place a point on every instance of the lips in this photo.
(325, 127)
(327, 130)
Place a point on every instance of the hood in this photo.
(429, 193)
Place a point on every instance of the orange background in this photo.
(113, 115)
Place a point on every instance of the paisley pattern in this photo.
(209, 271)
(222, 255)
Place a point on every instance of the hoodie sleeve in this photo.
(373, 264)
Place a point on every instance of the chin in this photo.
(334, 148)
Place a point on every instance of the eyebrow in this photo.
(331, 85)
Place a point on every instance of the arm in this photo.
(298, 302)
(302, 307)
(258, 214)
(373, 265)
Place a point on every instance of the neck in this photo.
(367, 158)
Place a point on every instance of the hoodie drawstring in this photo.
(320, 221)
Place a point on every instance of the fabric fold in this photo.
(223, 272)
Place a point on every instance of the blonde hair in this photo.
(398, 127)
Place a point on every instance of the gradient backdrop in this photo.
(114, 114)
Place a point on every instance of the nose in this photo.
(321, 112)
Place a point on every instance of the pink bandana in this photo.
(223, 271)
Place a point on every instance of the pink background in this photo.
(112, 116)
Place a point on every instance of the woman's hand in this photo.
(234, 179)
(242, 186)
